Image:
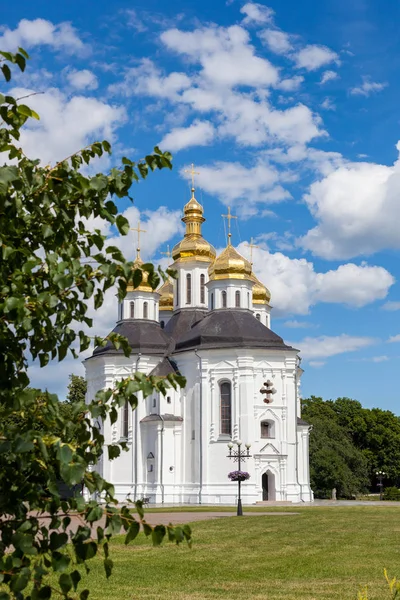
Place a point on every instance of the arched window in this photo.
(132, 310)
(223, 296)
(188, 288)
(168, 399)
(267, 429)
(145, 310)
(162, 324)
(125, 420)
(226, 408)
(258, 317)
(202, 289)
(212, 301)
(237, 299)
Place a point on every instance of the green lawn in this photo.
(321, 553)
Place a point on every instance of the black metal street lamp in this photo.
(237, 455)
(380, 475)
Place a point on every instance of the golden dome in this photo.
(261, 294)
(193, 245)
(166, 292)
(144, 285)
(230, 265)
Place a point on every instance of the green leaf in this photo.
(122, 224)
(158, 534)
(65, 582)
(108, 566)
(60, 562)
(8, 174)
(27, 112)
(6, 72)
(133, 531)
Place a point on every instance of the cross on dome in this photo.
(139, 231)
(229, 217)
(251, 246)
(193, 173)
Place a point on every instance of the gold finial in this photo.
(167, 253)
(229, 217)
(139, 231)
(251, 246)
(193, 173)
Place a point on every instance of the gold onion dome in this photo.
(230, 265)
(193, 245)
(166, 292)
(261, 294)
(144, 285)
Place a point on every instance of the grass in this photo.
(321, 554)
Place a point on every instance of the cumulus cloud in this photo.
(325, 346)
(328, 76)
(298, 324)
(317, 363)
(314, 56)
(82, 80)
(296, 286)
(291, 84)
(66, 124)
(394, 338)
(367, 87)
(199, 133)
(277, 41)
(391, 305)
(233, 182)
(39, 32)
(328, 104)
(256, 13)
(357, 210)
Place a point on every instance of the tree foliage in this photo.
(349, 443)
(77, 388)
(53, 266)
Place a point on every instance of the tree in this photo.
(335, 462)
(77, 388)
(52, 266)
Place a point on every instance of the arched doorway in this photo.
(268, 486)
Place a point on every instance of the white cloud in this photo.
(325, 346)
(296, 286)
(328, 104)
(225, 54)
(317, 363)
(298, 324)
(367, 87)
(199, 133)
(66, 124)
(379, 359)
(38, 32)
(82, 80)
(256, 13)
(232, 182)
(328, 76)
(391, 305)
(147, 79)
(291, 84)
(357, 209)
(394, 338)
(313, 57)
(277, 41)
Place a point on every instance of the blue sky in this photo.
(290, 113)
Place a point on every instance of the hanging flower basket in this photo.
(238, 475)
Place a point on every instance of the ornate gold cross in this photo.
(167, 253)
(251, 246)
(229, 217)
(139, 231)
(193, 173)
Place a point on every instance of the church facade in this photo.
(212, 324)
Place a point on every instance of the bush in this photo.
(391, 493)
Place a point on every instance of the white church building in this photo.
(212, 324)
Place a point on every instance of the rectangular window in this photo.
(226, 408)
(202, 289)
(188, 289)
(125, 420)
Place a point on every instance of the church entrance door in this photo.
(268, 486)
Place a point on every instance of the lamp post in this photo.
(380, 475)
(237, 455)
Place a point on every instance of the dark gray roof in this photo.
(164, 368)
(143, 336)
(181, 322)
(302, 422)
(230, 329)
(166, 417)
